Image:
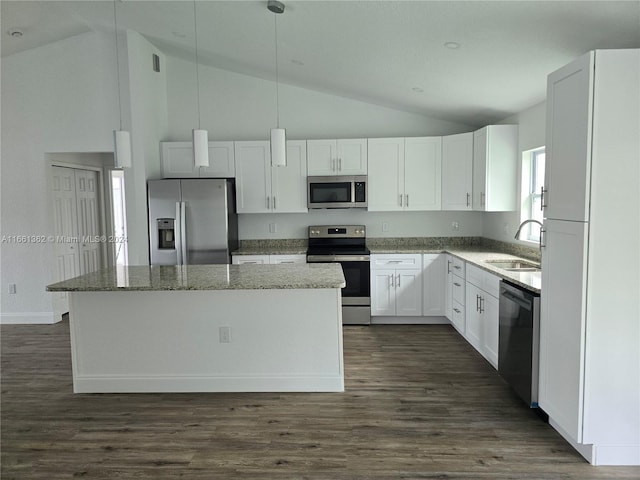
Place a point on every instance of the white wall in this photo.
(531, 133)
(56, 98)
(241, 107)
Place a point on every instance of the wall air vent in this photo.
(156, 62)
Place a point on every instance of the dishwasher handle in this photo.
(520, 301)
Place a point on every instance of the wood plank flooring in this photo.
(419, 403)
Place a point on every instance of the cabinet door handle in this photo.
(481, 304)
(542, 204)
(482, 199)
(456, 310)
(391, 280)
(468, 199)
(477, 303)
(542, 244)
(274, 202)
(457, 284)
(400, 199)
(339, 164)
(398, 280)
(406, 198)
(268, 203)
(457, 267)
(448, 266)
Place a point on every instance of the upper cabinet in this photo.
(337, 157)
(495, 157)
(262, 188)
(177, 160)
(404, 173)
(457, 171)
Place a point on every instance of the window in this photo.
(532, 182)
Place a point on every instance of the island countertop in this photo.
(206, 277)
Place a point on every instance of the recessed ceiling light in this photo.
(417, 89)
(452, 45)
(297, 62)
(15, 32)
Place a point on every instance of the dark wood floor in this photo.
(419, 403)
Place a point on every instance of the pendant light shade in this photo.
(278, 135)
(200, 148)
(122, 148)
(278, 147)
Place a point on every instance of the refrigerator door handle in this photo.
(178, 234)
(183, 232)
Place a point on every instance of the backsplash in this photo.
(435, 243)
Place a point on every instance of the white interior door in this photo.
(88, 211)
(77, 227)
(67, 257)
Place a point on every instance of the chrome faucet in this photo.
(524, 223)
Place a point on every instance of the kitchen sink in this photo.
(514, 265)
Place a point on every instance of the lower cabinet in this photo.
(433, 288)
(482, 316)
(396, 285)
(268, 259)
(455, 293)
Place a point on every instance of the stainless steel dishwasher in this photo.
(519, 340)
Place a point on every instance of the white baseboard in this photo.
(619, 455)
(206, 383)
(28, 318)
(410, 321)
(586, 450)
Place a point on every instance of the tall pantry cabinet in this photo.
(590, 300)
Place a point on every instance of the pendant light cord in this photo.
(275, 20)
(195, 29)
(115, 31)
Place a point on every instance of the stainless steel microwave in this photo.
(342, 191)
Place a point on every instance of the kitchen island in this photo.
(207, 328)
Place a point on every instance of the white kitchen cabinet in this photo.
(495, 157)
(433, 285)
(456, 293)
(262, 188)
(177, 160)
(404, 173)
(482, 317)
(250, 259)
(337, 157)
(457, 171)
(396, 285)
(589, 330)
(268, 259)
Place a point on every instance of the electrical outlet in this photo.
(385, 227)
(12, 288)
(455, 226)
(225, 334)
(273, 228)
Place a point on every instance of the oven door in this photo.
(356, 294)
(330, 192)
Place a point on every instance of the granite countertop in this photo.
(278, 250)
(206, 277)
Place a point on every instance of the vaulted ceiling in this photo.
(390, 53)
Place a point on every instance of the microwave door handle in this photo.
(353, 192)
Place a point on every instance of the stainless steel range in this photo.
(346, 245)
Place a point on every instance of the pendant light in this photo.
(121, 138)
(278, 135)
(200, 137)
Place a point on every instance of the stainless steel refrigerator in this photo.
(192, 221)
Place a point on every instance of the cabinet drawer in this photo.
(458, 267)
(457, 288)
(397, 262)
(295, 258)
(483, 280)
(250, 259)
(458, 317)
